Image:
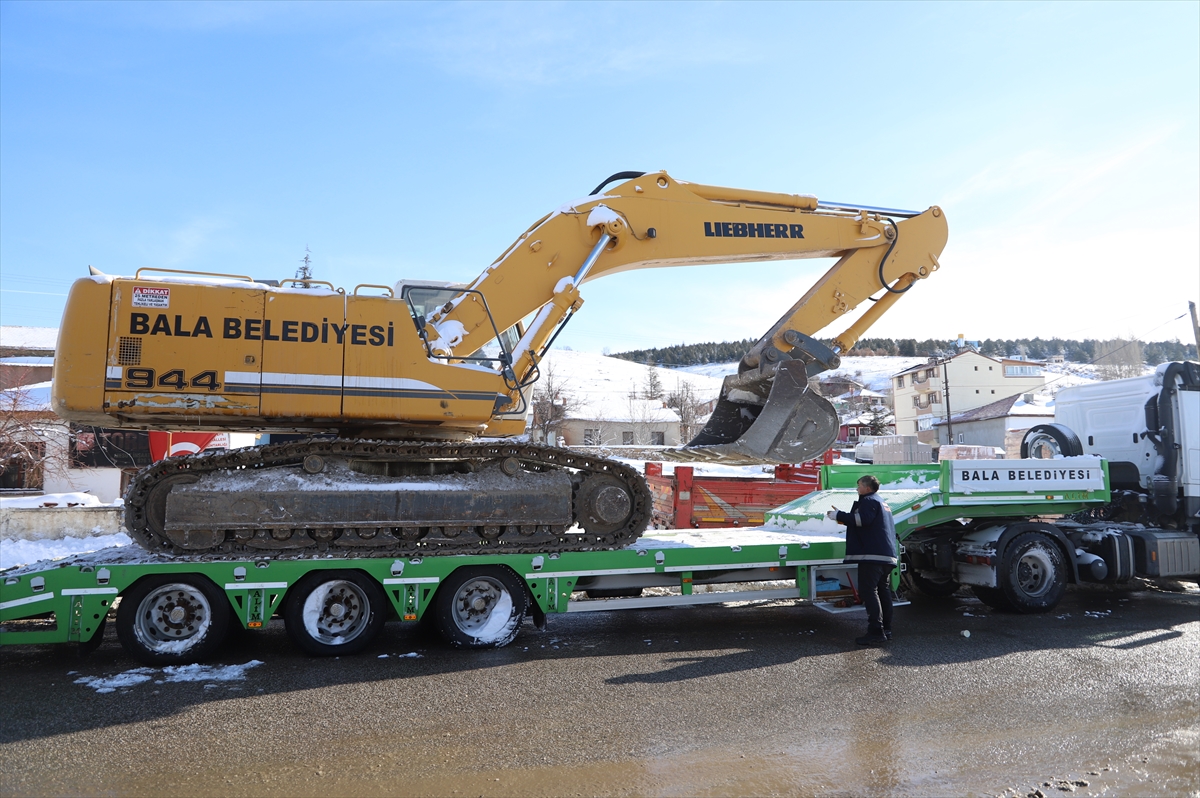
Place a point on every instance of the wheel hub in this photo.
(1033, 572)
(170, 614)
(475, 602)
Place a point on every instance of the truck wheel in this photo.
(172, 619)
(480, 607)
(934, 588)
(1046, 441)
(334, 612)
(1033, 574)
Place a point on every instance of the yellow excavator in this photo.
(410, 391)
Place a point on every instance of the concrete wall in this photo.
(55, 523)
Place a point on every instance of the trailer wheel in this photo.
(172, 619)
(1047, 441)
(480, 607)
(1032, 575)
(334, 612)
(934, 588)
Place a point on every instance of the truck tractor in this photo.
(1147, 429)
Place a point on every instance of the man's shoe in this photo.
(888, 634)
(871, 640)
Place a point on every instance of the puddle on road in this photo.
(838, 765)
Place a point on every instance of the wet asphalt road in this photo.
(1101, 697)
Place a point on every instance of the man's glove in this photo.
(831, 515)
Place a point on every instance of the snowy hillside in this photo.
(601, 385)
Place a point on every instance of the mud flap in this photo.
(771, 418)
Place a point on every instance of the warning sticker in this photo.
(146, 297)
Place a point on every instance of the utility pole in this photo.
(1195, 324)
(946, 390)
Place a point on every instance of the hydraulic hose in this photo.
(617, 176)
(888, 254)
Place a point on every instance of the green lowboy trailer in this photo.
(999, 526)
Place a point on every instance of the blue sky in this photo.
(418, 140)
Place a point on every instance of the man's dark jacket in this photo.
(870, 533)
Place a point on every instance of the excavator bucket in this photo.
(771, 418)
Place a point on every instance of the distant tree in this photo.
(305, 270)
(552, 401)
(1075, 351)
(29, 447)
(687, 403)
(877, 423)
(654, 389)
(1119, 358)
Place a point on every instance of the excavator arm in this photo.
(766, 412)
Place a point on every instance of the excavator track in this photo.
(345, 497)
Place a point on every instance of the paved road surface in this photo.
(1100, 698)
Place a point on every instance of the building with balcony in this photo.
(929, 392)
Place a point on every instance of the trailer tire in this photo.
(330, 613)
(1045, 441)
(480, 607)
(930, 587)
(1033, 573)
(172, 619)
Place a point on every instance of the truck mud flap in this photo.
(773, 418)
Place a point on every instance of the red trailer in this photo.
(683, 500)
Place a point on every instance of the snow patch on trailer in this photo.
(740, 536)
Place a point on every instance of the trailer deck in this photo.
(69, 600)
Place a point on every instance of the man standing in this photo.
(871, 542)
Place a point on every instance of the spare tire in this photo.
(1047, 441)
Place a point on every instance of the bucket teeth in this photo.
(764, 418)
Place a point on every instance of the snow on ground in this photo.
(601, 385)
(210, 674)
(51, 500)
(28, 552)
(702, 469)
